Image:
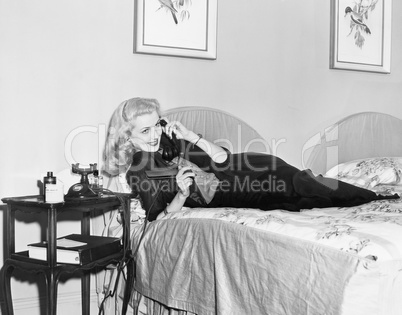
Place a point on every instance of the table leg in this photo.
(9, 231)
(129, 285)
(52, 280)
(6, 273)
(85, 279)
(52, 236)
(85, 293)
(128, 258)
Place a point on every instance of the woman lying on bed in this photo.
(171, 166)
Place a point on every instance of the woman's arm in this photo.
(184, 180)
(217, 153)
(156, 194)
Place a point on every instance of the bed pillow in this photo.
(370, 172)
(387, 190)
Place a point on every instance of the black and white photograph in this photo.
(201, 157)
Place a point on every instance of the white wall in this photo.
(67, 64)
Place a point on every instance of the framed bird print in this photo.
(184, 28)
(361, 35)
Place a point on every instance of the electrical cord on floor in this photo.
(134, 256)
(122, 264)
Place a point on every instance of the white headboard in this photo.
(221, 128)
(362, 135)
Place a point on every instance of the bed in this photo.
(245, 261)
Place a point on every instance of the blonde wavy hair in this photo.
(118, 152)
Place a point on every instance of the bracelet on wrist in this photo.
(199, 138)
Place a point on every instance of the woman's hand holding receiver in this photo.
(217, 153)
(184, 179)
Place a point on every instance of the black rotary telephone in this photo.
(82, 189)
(169, 146)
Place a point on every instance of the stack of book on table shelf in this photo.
(78, 249)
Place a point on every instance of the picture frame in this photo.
(182, 28)
(361, 35)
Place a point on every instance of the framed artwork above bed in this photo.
(361, 35)
(182, 28)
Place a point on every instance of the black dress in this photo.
(246, 180)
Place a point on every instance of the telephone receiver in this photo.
(169, 146)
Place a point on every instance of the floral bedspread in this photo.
(338, 258)
(372, 230)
